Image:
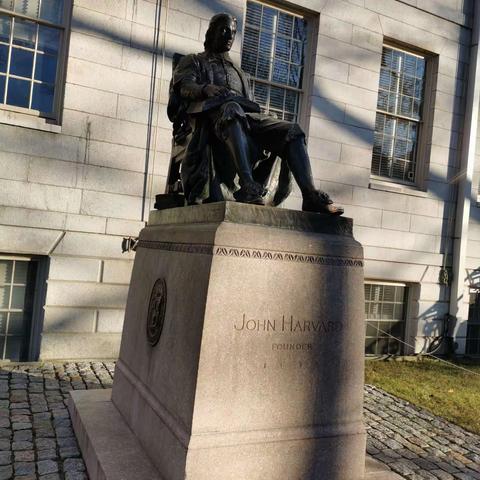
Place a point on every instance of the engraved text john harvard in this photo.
(287, 324)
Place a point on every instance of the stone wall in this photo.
(73, 192)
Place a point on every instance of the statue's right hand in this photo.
(211, 90)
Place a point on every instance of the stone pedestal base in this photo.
(112, 452)
(242, 349)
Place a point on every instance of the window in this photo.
(32, 40)
(385, 308)
(399, 115)
(473, 325)
(273, 54)
(17, 282)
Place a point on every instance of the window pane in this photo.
(276, 98)
(48, 39)
(27, 7)
(18, 297)
(4, 296)
(280, 72)
(43, 96)
(384, 303)
(21, 63)
(285, 24)
(382, 346)
(6, 268)
(7, 4)
(250, 51)
(46, 68)
(24, 33)
(21, 270)
(420, 70)
(261, 93)
(295, 76)
(264, 57)
(282, 49)
(370, 346)
(15, 348)
(17, 323)
(5, 25)
(297, 53)
(52, 10)
(397, 329)
(18, 92)
(254, 13)
(372, 330)
(300, 29)
(291, 99)
(3, 58)
(2, 87)
(3, 324)
(269, 18)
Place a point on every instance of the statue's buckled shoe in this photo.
(320, 202)
(250, 193)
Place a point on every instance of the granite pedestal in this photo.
(242, 349)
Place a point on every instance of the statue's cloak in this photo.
(206, 170)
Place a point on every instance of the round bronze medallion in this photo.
(156, 311)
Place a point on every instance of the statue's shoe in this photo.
(320, 202)
(250, 193)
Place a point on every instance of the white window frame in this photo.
(406, 302)
(309, 53)
(30, 118)
(422, 150)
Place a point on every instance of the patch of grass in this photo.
(443, 390)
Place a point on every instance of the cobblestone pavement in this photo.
(37, 441)
(416, 444)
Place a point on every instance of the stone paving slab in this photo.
(37, 440)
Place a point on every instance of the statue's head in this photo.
(221, 33)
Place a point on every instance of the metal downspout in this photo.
(458, 302)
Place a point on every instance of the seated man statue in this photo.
(224, 146)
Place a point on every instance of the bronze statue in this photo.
(223, 147)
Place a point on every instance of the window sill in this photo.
(27, 120)
(396, 188)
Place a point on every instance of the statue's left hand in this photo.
(211, 90)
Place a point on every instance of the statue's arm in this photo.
(187, 78)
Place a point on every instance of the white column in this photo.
(459, 290)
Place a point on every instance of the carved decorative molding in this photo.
(198, 248)
(251, 253)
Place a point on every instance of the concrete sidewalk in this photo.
(37, 440)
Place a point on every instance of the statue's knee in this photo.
(232, 110)
(232, 117)
(295, 134)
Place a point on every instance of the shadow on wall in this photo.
(433, 325)
(356, 126)
(442, 186)
(65, 319)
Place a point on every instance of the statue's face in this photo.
(224, 36)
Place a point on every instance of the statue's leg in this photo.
(314, 200)
(232, 131)
(287, 139)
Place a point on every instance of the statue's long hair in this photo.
(216, 20)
